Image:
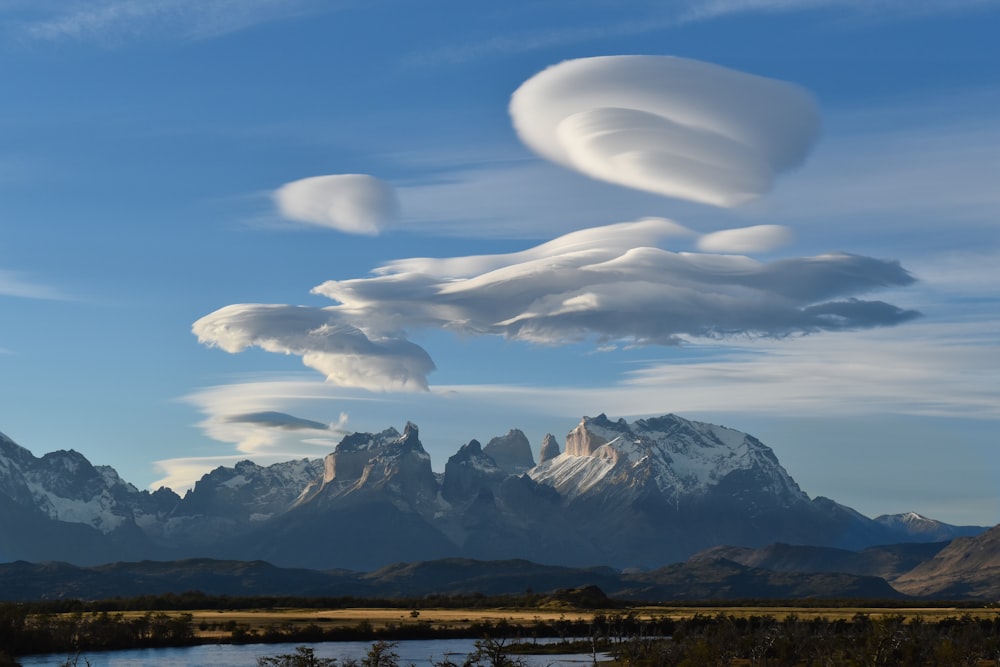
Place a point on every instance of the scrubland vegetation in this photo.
(647, 636)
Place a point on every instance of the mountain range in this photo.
(636, 495)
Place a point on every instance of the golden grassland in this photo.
(208, 623)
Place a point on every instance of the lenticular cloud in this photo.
(326, 341)
(352, 203)
(670, 126)
(607, 284)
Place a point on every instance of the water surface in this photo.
(420, 653)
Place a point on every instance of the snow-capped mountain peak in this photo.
(679, 456)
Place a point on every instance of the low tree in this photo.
(303, 657)
(381, 654)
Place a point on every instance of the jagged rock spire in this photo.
(550, 449)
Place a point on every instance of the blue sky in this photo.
(827, 282)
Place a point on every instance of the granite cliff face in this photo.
(625, 494)
(549, 450)
(511, 452)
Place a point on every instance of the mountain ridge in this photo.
(628, 494)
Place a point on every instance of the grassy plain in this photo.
(209, 623)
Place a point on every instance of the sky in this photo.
(240, 229)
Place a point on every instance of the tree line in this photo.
(701, 640)
(725, 640)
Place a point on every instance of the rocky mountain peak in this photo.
(910, 525)
(550, 449)
(248, 491)
(411, 435)
(355, 442)
(388, 463)
(469, 471)
(11, 451)
(469, 451)
(511, 452)
(590, 435)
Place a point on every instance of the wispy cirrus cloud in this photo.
(18, 284)
(665, 16)
(700, 10)
(119, 22)
(256, 418)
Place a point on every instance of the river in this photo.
(420, 653)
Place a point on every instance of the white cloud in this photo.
(607, 240)
(699, 10)
(759, 238)
(116, 22)
(657, 17)
(610, 283)
(881, 172)
(606, 284)
(259, 418)
(16, 284)
(351, 203)
(672, 126)
(345, 354)
(905, 164)
(935, 369)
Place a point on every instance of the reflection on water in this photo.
(418, 653)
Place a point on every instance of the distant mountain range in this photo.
(964, 568)
(627, 495)
(694, 580)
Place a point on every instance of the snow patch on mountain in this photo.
(572, 475)
(98, 511)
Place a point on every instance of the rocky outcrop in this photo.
(511, 452)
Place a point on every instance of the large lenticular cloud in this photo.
(670, 126)
(606, 284)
